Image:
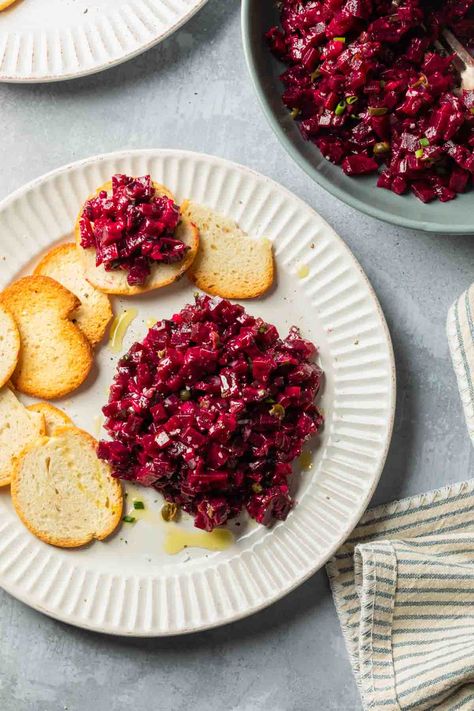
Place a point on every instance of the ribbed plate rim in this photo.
(149, 154)
(113, 62)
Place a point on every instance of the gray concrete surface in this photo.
(193, 92)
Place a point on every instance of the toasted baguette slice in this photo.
(9, 345)
(229, 262)
(18, 428)
(63, 493)
(55, 356)
(115, 282)
(53, 417)
(6, 3)
(63, 264)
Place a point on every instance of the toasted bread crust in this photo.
(95, 311)
(53, 416)
(93, 273)
(6, 472)
(229, 264)
(9, 345)
(207, 284)
(161, 274)
(32, 301)
(51, 539)
(6, 3)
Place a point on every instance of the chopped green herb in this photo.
(257, 488)
(129, 519)
(263, 328)
(351, 100)
(138, 505)
(184, 395)
(315, 75)
(340, 108)
(339, 39)
(419, 153)
(424, 142)
(294, 113)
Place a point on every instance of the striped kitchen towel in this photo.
(460, 327)
(403, 585)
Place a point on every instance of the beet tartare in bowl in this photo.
(368, 105)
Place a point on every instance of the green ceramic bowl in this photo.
(456, 217)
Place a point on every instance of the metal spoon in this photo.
(466, 59)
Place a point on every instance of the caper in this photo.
(169, 512)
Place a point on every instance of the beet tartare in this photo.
(132, 227)
(372, 88)
(211, 409)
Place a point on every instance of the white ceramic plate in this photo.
(50, 40)
(128, 585)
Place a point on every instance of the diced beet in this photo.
(423, 190)
(132, 228)
(211, 410)
(359, 164)
(458, 179)
(373, 88)
(274, 503)
(211, 513)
